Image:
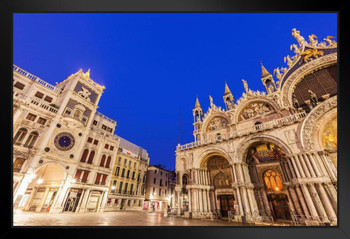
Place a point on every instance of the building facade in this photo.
(158, 189)
(127, 187)
(269, 156)
(63, 148)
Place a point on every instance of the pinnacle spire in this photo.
(197, 105)
(264, 72)
(227, 90)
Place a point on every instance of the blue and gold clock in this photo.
(64, 141)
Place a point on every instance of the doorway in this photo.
(226, 204)
(280, 206)
(72, 200)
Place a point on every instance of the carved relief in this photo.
(217, 123)
(311, 120)
(291, 136)
(255, 109)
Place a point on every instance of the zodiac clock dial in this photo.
(64, 141)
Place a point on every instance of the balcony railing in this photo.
(36, 79)
(253, 129)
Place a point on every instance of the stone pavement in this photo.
(120, 218)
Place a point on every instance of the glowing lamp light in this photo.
(113, 187)
(74, 180)
(40, 181)
(277, 189)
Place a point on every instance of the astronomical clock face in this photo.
(64, 141)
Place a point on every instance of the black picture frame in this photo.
(8, 7)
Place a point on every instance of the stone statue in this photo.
(312, 41)
(296, 35)
(85, 93)
(295, 102)
(313, 98)
(288, 60)
(245, 84)
(296, 49)
(329, 41)
(211, 101)
(277, 73)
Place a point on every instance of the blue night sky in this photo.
(153, 64)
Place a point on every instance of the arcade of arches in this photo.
(261, 188)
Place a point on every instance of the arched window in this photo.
(84, 156)
(91, 157)
(103, 159)
(108, 161)
(184, 180)
(272, 181)
(21, 133)
(31, 139)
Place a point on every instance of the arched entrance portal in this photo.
(263, 159)
(45, 188)
(221, 178)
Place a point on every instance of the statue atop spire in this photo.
(264, 72)
(228, 98)
(296, 35)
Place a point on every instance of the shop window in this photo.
(21, 133)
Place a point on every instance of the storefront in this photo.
(73, 199)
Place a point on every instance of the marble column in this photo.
(266, 202)
(239, 199)
(303, 166)
(205, 200)
(290, 202)
(295, 167)
(332, 192)
(321, 163)
(295, 201)
(302, 202)
(321, 210)
(326, 202)
(190, 199)
(308, 164)
(309, 202)
(315, 164)
(245, 201)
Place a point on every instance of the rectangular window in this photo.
(160, 183)
(48, 99)
(89, 140)
(131, 188)
(78, 175)
(19, 85)
(117, 171)
(111, 148)
(17, 165)
(154, 180)
(125, 161)
(104, 178)
(39, 95)
(160, 192)
(114, 186)
(154, 191)
(119, 160)
(94, 122)
(106, 146)
(42, 121)
(85, 177)
(120, 187)
(126, 188)
(133, 175)
(98, 177)
(95, 142)
(123, 172)
(31, 117)
(128, 174)
(129, 164)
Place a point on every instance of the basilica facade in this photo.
(269, 156)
